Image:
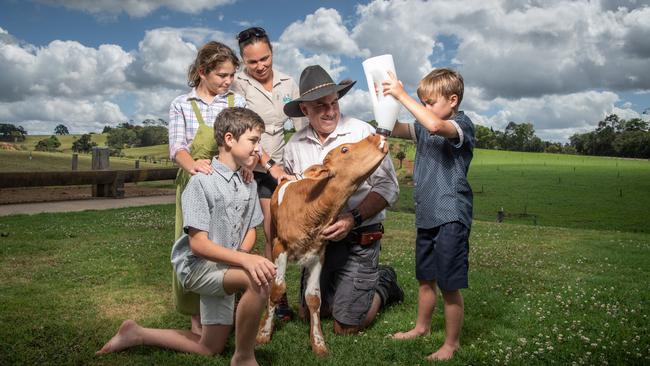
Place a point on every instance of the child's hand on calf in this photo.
(262, 270)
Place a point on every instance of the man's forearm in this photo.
(371, 205)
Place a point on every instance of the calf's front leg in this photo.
(278, 288)
(314, 264)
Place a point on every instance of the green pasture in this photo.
(66, 140)
(158, 152)
(553, 189)
(13, 161)
(538, 296)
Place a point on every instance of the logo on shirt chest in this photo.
(286, 99)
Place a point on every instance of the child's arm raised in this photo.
(430, 121)
(260, 269)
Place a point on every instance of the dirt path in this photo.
(63, 199)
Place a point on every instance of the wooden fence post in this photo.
(100, 162)
(75, 161)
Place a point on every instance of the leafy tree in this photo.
(83, 144)
(486, 138)
(121, 137)
(61, 130)
(49, 144)
(152, 135)
(401, 155)
(107, 129)
(9, 132)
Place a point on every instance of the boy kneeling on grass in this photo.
(220, 213)
(443, 199)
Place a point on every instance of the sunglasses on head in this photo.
(246, 34)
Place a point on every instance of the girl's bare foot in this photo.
(127, 336)
(413, 333)
(446, 352)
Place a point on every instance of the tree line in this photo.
(517, 137)
(615, 137)
(124, 135)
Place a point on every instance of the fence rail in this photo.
(106, 183)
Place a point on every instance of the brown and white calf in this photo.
(301, 209)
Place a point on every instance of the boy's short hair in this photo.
(236, 120)
(441, 82)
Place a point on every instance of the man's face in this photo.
(323, 113)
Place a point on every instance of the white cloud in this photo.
(62, 68)
(292, 61)
(139, 8)
(321, 32)
(515, 49)
(555, 117)
(78, 115)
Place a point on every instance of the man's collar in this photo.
(342, 128)
(224, 170)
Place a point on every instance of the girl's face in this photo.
(258, 59)
(218, 80)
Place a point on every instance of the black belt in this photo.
(365, 235)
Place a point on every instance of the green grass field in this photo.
(13, 161)
(538, 295)
(564, 280)
(554, 190)
(66, 141)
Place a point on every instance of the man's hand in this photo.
(261, 269)
(201, 166)
(279, 174)
(339, 229)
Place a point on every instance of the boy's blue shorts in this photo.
(441, 255)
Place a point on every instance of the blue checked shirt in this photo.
(183, 124)
(442, 193)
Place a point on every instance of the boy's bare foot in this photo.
(413, 333)
(446, 352)
(126, 336)
(237, 360)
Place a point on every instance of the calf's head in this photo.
(352, 163)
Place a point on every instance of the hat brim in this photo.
(292, 109)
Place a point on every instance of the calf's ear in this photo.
(317, 172)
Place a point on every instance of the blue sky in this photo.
(562, 65)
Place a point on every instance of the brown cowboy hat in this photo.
(315, 83)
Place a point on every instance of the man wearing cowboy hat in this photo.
(353, 304)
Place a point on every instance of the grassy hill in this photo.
(66, 141)
(531, 188)
(13, 161)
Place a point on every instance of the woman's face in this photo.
(258, 60)
(218, 80)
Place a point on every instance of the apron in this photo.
(203, 146)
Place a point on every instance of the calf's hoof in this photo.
(319, 350)
(263, 338)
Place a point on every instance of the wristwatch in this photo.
(269, 164)
(357, 217)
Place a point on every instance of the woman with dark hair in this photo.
(266, 91)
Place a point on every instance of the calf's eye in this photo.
(344, 149)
